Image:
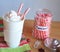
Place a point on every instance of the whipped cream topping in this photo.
(12, 16)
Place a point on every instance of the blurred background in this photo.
(52, 5)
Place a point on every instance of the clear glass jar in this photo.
(42, 23)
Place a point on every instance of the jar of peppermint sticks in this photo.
(42, 21)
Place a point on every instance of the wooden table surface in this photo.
(28, 26)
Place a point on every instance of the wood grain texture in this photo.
(28, 27)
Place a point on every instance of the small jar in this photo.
(52, 44)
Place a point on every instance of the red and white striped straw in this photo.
(25, 13)
(19, 9)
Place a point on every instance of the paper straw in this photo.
(20, 7)
(25, 13)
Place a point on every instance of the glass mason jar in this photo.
(42, 23)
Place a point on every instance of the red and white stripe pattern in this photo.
(42, 20)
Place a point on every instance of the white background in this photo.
(52, 5)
